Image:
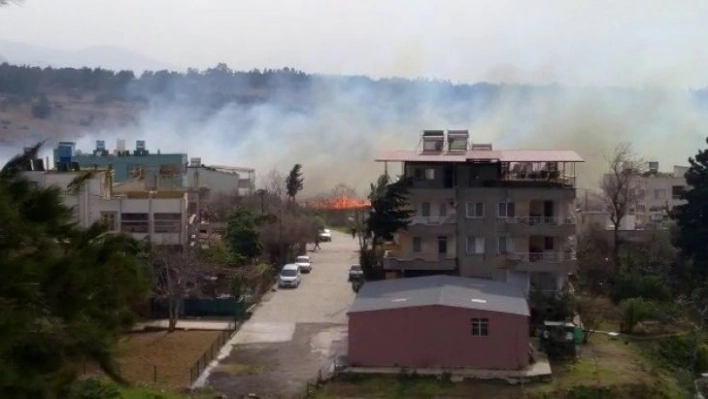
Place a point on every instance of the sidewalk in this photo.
(206, 325)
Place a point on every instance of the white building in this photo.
(658, 194)
(220, 180)
(126, 207)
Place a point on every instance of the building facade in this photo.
(505, 215)
(221, 180)
(161, 170)
(439, 322)
(159, 216)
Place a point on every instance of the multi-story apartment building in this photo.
(657, 193)
(157, 215)
(499, 214)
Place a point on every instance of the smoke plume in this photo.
(336, 127)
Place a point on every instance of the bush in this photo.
(635, 311)
(93, 389)
(635, 285)
(677, 352)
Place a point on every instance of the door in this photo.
(548, 209)
(442, 247)
(449, 176)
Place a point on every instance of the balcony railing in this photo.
(542, 220)
(433, 220)
(547, 257)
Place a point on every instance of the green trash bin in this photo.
(578, 334)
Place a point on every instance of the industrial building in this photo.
(163, 170)
(439, 322)
(506, 215)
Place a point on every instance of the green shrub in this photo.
(93, 389)
(635, 311)
(635, 285)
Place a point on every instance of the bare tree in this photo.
(274, 183)
(176, 274)
(341, 191)
(621, 190)
(593, 311)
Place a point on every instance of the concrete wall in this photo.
(218, 183)
(437, 336)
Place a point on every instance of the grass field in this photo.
(602, 364)
(161, 359)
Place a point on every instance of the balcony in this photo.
(541, 225)
(394, 260)
(561, 261)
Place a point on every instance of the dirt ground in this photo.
(160, 358)
(258, 368)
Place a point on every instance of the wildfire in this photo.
(342, 203)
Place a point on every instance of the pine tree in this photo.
(692, 219)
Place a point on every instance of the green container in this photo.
(578, 334)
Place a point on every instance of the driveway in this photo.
(294, 333)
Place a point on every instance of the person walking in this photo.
(317, 242)
(353, 233)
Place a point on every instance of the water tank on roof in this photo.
(140, 145)
(65, 152)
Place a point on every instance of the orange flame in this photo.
(342, 203)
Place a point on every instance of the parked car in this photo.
(304, 263)
(355, 272)
(326, 235)
(289, 276)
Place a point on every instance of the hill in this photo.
(335, 124)
(93, 57)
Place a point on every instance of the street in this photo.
(294, 333)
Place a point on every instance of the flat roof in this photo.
(482, 155)
(459, 292)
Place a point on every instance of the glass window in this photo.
(480, 327)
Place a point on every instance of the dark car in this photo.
(355, 272)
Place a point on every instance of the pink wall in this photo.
(437, 336)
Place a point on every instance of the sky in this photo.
(583, 42)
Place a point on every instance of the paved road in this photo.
(294, 333)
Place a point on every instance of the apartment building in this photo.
(479, 212)
(160, 216)
(657, 194)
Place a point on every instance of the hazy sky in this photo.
(574, 42)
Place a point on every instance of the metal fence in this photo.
(323, 375)
(209, 355)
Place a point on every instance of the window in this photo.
(134, 223)
(168, 222)
(660, 194)
(425, 209)
(443, 209)
(506, 210)
(417, 244)
(503, 244)
(677, 191)
(480, 327)
(418, 174)
(548, 243)
(109, 219)
(475, 245)
(430, 174)
(641, 208)
(475, 210)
